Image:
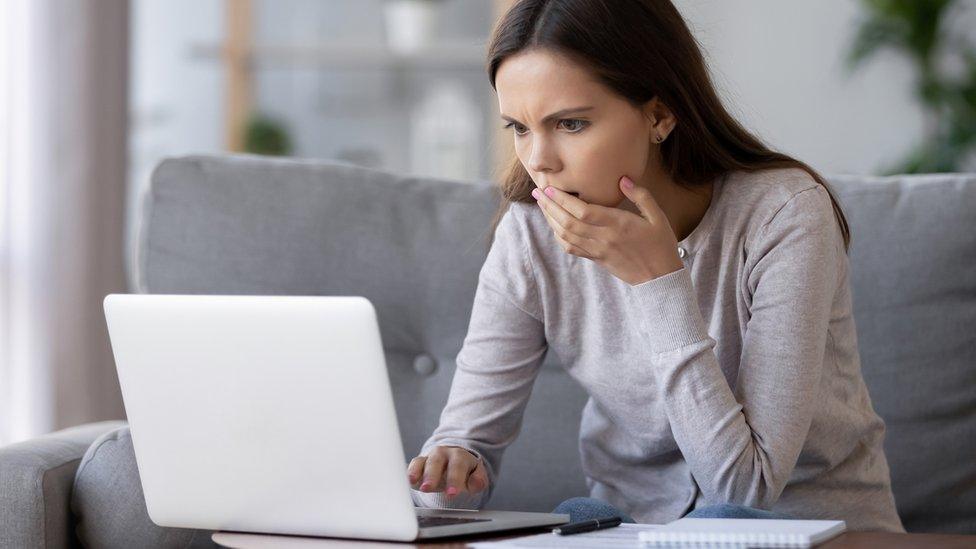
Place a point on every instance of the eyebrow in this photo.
(555, 115)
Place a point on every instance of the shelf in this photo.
(447, 56)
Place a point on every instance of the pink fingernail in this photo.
(535, 194)
(451, 490)
(549, 192)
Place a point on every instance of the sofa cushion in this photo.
(109, 505)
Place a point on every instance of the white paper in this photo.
(745, 532)
(623, 535)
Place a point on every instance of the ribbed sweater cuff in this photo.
(439, 500)
(667, 309)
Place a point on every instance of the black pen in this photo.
(587, 526)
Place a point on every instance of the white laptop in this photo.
(272, 414)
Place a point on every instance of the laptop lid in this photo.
(262, 414)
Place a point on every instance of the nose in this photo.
(543, 157)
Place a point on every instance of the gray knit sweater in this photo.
(734, 379)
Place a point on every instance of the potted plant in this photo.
(918, 30)
(265, 135)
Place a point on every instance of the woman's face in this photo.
(584, 151)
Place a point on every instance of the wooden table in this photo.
(848, 540)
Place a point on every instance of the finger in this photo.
(415, 470)
(478, 480)
(434, 471)
(457, 472)
(642, 198)
(569, 242)
(579, 220)
(561, 236)
(593, 214)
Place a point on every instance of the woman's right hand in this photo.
(450, 469)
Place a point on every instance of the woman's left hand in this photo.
(634, 248)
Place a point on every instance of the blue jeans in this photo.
(584, 508)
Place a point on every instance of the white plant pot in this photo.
(410, 24)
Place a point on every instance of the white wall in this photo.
(175, 99)
(778, 65)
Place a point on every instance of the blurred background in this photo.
(94, 93)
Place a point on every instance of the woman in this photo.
(692, 280)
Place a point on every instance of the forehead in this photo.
(534, 81)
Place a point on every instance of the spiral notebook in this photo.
(729, 533)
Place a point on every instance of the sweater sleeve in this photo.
(496, 366)
(742, 446)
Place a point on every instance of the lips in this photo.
(574, 193)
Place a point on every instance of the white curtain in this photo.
(63, 102)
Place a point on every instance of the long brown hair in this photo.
(640, 49)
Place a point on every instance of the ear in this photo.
(659, 115)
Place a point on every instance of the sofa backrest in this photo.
(242, 224)
(913, 282)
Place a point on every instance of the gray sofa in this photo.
(240, 224)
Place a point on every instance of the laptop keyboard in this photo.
(428, 521)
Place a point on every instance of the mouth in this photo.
(574, 193)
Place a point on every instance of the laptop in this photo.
(273, 415)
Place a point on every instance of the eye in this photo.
(579, 126)
(517, 126)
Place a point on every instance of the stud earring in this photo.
(660, 138)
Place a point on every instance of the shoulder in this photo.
(525, 223)
(782, 196)
(518, 212)
(511, 234)
(524, 217)
(766, 192)
(792, 224)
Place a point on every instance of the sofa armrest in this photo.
(36, 478)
